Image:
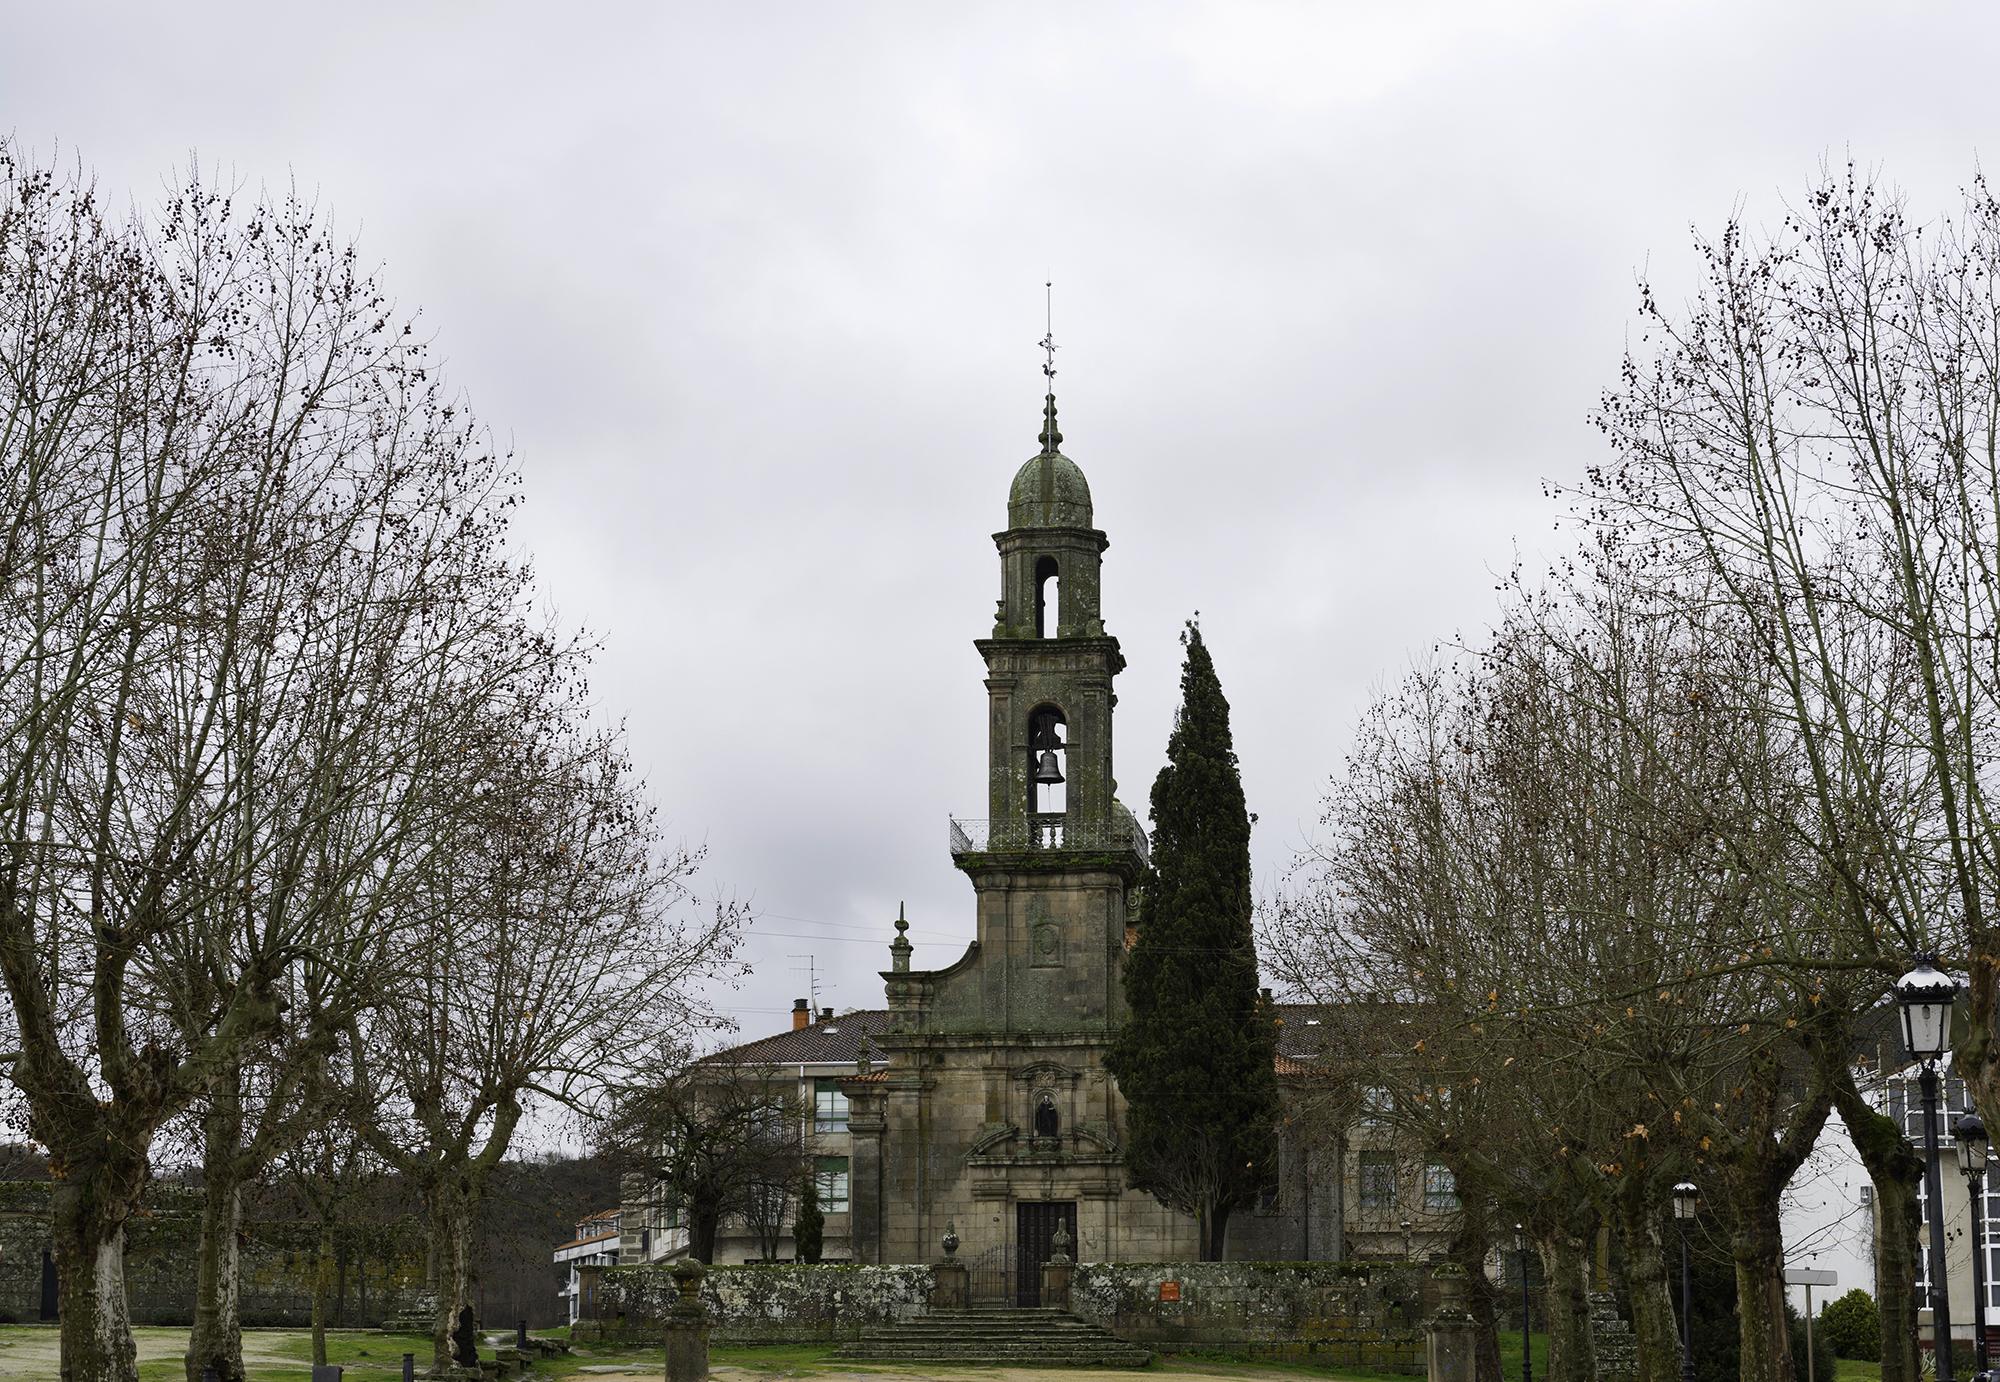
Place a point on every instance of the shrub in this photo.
(1852, 1326)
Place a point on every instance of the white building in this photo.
(595, 1245)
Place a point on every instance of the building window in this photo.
(830, 1178)
(1378, 1180)
(1906, 1106)
(1377, 1103)
(829, 1107)
(1440, 1189)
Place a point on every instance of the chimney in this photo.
(826, 1014)
(801, 1014)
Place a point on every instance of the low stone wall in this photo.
(1361, 1314)
(779, 1303)
(382, 1265)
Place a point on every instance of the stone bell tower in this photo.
(1049, 664)
(994, 1114)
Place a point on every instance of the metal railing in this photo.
(1049, 832)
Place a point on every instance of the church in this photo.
(976, 1105)
(993, 1114)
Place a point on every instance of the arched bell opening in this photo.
(1048, 597)
(1048, 762)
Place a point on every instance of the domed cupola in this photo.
(1049, 491)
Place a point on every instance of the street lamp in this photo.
(1926, 995)
(1685, 1197)
(1969, 1134)
(1527, 1359)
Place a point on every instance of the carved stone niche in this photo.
(1047, 1095)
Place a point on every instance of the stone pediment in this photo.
(1048, 1072)
(1006, 1145)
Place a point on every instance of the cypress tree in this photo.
(809, 1227)
(1194, 1056)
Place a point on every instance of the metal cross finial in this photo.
(1048, 342)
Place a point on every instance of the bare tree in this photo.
(1814, 438)
(555, 938)
(242, 538)
(711, 1139)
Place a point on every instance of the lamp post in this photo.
(1926, 995)
(1685, 1197)
(1969, 1136)
(1527, 1358)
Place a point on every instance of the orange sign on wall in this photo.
(1170, 1290)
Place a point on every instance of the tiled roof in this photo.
(580, 1242)
(1309, 1031)
(837, 1040)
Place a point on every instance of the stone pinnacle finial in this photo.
(1051, 438)
(899, 948)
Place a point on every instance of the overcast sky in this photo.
(754, 289)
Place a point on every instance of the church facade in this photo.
(993, 1116)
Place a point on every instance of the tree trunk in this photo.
(1213, 1224)
(1567, 1313)
(451, 1204)
(321, 1289)
(1469, 1247)
(1648, 1286)
(1894, 1169)
(1765, 1341)
(702, 1225)
(87, 1230)
(216, 1341)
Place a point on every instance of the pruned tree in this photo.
(1810, 438)
(1195, 1057)
(242, 537)
(554, 939)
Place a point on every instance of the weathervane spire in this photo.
(1050, 438)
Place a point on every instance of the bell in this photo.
(1047, 772)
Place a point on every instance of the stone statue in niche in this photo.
(1048, 1123)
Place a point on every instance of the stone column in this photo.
(1449, 1335)
(687, 1326)
(865, 1122)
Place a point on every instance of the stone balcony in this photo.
(1047, 835)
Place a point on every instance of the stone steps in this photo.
(1019, 1337)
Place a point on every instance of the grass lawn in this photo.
(269, 1355)
(285, 1355)
(1538, 1349)
(1854, 1370)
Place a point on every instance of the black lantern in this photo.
(1685, 1196)
(1521, 1246)
(1969, 1134)
(1969, 1140)
(1926, 994)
